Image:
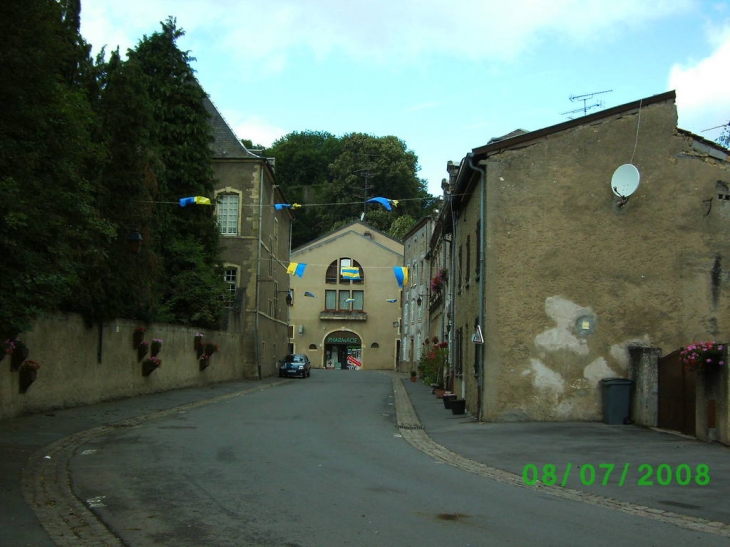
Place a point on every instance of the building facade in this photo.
(566, 276)
(346, 306)
(414, 325)
(255, 239)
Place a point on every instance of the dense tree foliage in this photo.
(333, 177)
(49, 222)
(89, 151)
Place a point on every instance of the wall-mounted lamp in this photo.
(289, 298)
(134, 241)
(419, 300)
(396, 324)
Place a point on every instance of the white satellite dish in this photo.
(625, 180)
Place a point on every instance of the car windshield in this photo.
(295, 359)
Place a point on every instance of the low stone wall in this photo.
(80, 365)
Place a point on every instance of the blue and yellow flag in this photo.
(350, 273)
(195, 200)
(401, 275)
(295, 268)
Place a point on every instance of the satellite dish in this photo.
(625, 180)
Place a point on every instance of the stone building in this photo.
(568, 277)
(255, 240)
(414, 326)
(346, 307)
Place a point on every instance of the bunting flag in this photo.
(385, 202)
(391, 300)
(307, 293)
(401, 275)
(196, 200)
(295, 268)
(280, 206)
(350, 273)
(349, 300)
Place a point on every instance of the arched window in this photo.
(312, 346)
(227, 211)
(344, 270)
(375, 345)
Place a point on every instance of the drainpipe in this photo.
(482, 278)
(258, 271)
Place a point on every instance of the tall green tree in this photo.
(185, 240)
(49, 223)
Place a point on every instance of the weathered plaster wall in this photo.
(574, 280)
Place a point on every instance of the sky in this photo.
(444, 76)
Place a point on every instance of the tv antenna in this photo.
(585, 98)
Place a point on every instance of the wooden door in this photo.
(676, 395)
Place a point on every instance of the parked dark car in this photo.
(295, 365)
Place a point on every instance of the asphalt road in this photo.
(319, 462)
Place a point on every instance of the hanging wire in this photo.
(638, 124)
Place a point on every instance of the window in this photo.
(230, 275)
(330, 300)
(344, 270)
(227, 213)
(344, 300)
(468, 259)
(312, 346)
(478, 239)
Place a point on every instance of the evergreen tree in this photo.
(185, 240)
(49, 223)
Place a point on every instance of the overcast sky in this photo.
(443, 76)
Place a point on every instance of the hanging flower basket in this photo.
(156, 347)
(7, 348)
(198, 341)
(142, 350)
(28, 372)
(20, 353)
(203, 362)
(704, 355)
(150, 365)
(210, 349)
(137, 337)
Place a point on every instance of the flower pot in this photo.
(448, 398)
(203, 363)
(20, 354)
(137, 338)
(155, 348)
(149, 366)
(458, 406)
(26, 377)
(439, 392)
(413, 378)
(142, 350)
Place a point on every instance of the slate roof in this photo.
(225, 143)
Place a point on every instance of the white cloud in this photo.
(703, 88)
(254, 128)
(378, 29)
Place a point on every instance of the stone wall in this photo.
(81, 366)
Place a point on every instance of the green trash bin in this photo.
(616, 395)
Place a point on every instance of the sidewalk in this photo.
(529, 446)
